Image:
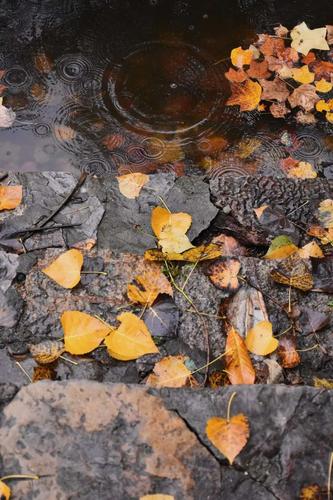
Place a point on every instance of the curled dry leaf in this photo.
(293, 272)
(305, 96)
(224, 274)
(130, 185)
(66, 269)
(287, 353)
(259, 340)
(82, 332)
(246, 95)
(150, 284)
(324, 235)
(131, 339)
(228, 436)
(281, 248)
(170, 372)
(305, 39)
(171, 229)
(195, 254)
(5, 491)
(238, 362)
(43, 373)
(47, 351)
(240, 57)
(10, 197)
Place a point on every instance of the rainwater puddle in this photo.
(127, 86)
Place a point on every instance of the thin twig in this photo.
(24, 371)
(69, 360)
(19, 476)
(329, 476)
(189, 274)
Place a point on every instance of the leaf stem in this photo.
(19, 476)
(24, 371)
(229, 405)
(69, 360)
(95, 272)
(329, 476)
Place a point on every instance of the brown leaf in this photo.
(322, 69)
(237, 76)
(271, 46)
(151, 283)
(238, 362)
(258, 70)
(293, 272)
(287, 353)
(228, 436)
(275, 89)
(304, 96)
(43, 63)
(281, 31)
(279, 110)
(223, 274)
(10, 197)
(113, 141)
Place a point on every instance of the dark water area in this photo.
(138, 85)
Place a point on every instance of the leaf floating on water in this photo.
(66, 269)
(5, 491)
(130, 185)
(305, 39)
(171, 230)
(131, 339)
(238, 362)
(170, 372)
(240, 57)
(82, 332)
(10, 197)
(259, 340)
(303, 75)
(293, 272)
(246, 95)
(47, 351)
(151, 283)
(228, 436)
(305, 96)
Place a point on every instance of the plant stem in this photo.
(229, 405)
(19, 476)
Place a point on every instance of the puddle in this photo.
(125, 86)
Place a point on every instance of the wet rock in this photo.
(162, 319)
(11, 306)
(102, 441)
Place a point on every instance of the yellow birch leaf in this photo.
(171, 229)
(228, 436)
(259, 340)
(312, 249)
(10, 197)
(303, 74)
(280, 248)
(82, 332)
(323, 86)
(4, 491)
(157, 496)
(130, 185)
(131, 339)
(151, 283)
(169, 372)
(66, 269)
(240, 57)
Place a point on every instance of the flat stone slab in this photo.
(91, 440)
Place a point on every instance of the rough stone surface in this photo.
(103, 441)
(119, 441)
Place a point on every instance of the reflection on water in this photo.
(124, 86)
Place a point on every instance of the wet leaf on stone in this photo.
(65, 270)
(150, 284)
(324, 235)
(47, 351)
(131, 339)
(228, 436)
(238, 362)
(224, 274)
(171, 230)
(311, 320)
(130, 185)
(170, 372)
(293, 272)
(82, 332)
(5, 491)
(10, 197)
(287, 353)
(259, 340)
(196, 254)
(323, 383)
(281, 247)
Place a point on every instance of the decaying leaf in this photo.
(228, 436)
(287, 353)
(279, 109)
(171, 230)
(223, 273)
(293, 272)
(131, 339)
(313, 492)
(246, 95)
(312, 321)
(304, 96)
(47, 351)
(170, 372)
(238, 363)
(322, 383)
(5, 491)
(195, 254)
(66, 269)
(324, 235)
(325, 213)
(151, 283)
(236, 76)
(281, 247)
(311, 249)
(43, 373)
(10, 197)
(258, 70)
(259, 340)
(82, 332)
(130, 185)
(240, 57)
(305, 39)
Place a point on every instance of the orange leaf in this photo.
(223, 273)
(131, 340)
(66, 269)
(280, 248)
(82, 332)
(246, 95)
(294, 272)
(325, 216)
(10, 197)
(239, 365)
(234, 75)
(259, 340)
(130, 185)
(170, 230)
(259, 70)
(312, 249)
(323, 86)
(312, 492)
(287, 352)
(228, 436)
(4, 491)
(324, 235)
(239, 57)
(170, 372)
(152, 282)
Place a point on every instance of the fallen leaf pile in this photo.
(285, 72)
